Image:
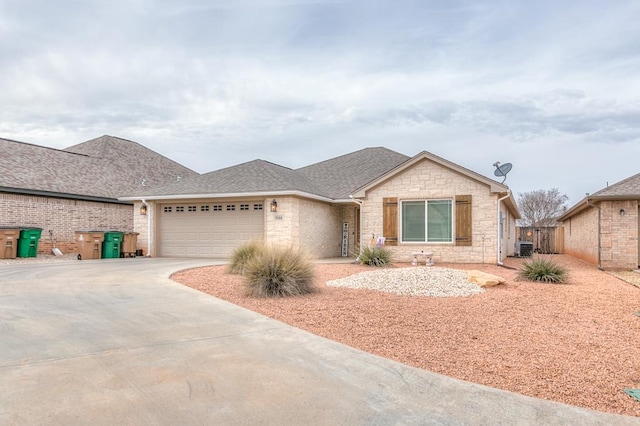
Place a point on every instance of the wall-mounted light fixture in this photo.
(143, 210)
(621, 212)
(274, 206)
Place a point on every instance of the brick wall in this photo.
(63, 217)
(581, 235)
(428, 180)
(619, 234)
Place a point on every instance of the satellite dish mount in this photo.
(502, 170)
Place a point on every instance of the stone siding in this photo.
(428, 180)
(63, 217)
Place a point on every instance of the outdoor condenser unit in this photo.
(524, 248)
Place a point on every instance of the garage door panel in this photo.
(212, 233)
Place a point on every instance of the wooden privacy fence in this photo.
(545, 239)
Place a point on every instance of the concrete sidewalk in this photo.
(114, 341)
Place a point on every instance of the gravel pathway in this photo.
(433, 282)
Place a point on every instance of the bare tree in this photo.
(541, 207)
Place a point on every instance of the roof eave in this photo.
(265, 194)
(64, 195)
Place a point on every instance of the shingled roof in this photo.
(333, 179)
(627, 189)
(103, 168)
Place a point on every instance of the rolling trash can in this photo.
(28, 242)
(89, 244)
(129, 243)
(111, 245)
(9, 242)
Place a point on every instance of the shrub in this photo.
(542, 269)
(277, 272)
(375, 256)
(242, 254)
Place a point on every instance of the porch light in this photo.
(143, 210)
(274, 206)
(621, 212)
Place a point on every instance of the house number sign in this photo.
(345, 239)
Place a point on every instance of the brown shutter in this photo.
(463, 220)
(390, 220)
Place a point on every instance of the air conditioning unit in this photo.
(524, 248)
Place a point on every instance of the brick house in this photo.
(602, 228)
(331, 208)
(62, 191)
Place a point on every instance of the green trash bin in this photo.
(28, 242)
(111, 244)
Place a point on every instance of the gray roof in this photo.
(102, 168)
(340, 176)
(253, 177)
(628, 188)
(334, 179)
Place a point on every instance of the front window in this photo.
(427, 221)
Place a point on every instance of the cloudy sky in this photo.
(550, 86)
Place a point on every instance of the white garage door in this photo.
(208, 229)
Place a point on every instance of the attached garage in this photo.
(208, 229)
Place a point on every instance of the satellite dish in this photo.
(502, 170)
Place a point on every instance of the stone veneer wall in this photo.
(428, 180)
(581, 236)
(619, 235)
(63, 217)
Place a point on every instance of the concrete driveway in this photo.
(116, 342)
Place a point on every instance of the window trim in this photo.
(451, 240)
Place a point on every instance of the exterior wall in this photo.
(581, 235)
(619, 235)
(320, 228)
(428, 180)
(311, 226)
(63, 217)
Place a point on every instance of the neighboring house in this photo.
(602, 228)
(331, 208)
(63, 191)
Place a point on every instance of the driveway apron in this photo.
(114, 341)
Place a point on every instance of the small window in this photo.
(192, 208)
(231, 207)
(257, 206)
(244, 207)
(217, 208)
(204, 208)
(179, 208)
(167, 209)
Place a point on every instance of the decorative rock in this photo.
(483, 279)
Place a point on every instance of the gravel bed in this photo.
(433, 282)
(575, 343)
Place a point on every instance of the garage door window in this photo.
(204, 208)
(244, 207)
(167, 209)
(192, 208)
(179, 209)
(231, 207)
(217, 208)
(257, 206)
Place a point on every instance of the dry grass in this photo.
(578, 343)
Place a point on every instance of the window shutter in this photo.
(463, 220)
(390, 220)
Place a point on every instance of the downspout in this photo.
(499, 245)
(144, 202)
(360, 203)
(599, 250)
